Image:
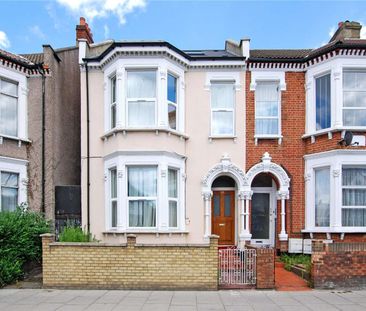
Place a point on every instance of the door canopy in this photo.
(267, 166)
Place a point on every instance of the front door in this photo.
(262, 223)
(223, 216)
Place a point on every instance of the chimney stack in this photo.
(347, 30)
(83, 31)
(239, 49)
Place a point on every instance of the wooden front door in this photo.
(223, 216)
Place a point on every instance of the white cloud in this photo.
(363, 31)
(4, 41)
(35, 30)
(102, 8)
(332, 31)
(106, 32)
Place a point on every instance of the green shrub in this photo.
(20, 241)
(74, 234)
(296, 259)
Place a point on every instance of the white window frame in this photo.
(112, 199)
(278, 117)
(176, 104)
(331, 108)
(334, 159)
(22, 117)
(232, 110)
(113, 104)
(174, 199)
(120, 68)
(16, 166)
(162, 160)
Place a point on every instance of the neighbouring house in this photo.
(39, 127)
(246, 144)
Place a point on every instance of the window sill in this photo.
(18, 139)
(150, 231)
(268, 137)
(336, 230)
(331, 130)
(125, 131)
(212, 137)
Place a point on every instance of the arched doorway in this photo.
(223, 211)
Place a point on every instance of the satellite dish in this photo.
(348, 137)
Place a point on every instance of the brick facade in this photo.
(130, 265)
(338, 265)
(288, 154)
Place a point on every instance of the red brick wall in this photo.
(265, 265)
(339, 268)
(290, 153)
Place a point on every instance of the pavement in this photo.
(229, 300)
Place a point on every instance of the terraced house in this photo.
(246, 144)
(39, 109)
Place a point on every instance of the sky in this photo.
(26, 25)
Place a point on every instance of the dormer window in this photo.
(141, 98)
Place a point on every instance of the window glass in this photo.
(142, 196)
(173, 214)
(113, 102)
(222, 105)
(141, 84)
(172, 88)
(173, 197)
(227, 202)
(267, 108)
(216, 203)
(354, 94)
(141, 113)
(323, 104)
(9, 191)
(354, 196)
(322, 197)
(8, 108)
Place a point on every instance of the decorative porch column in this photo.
(207, 198)
(283, 196)
(244, 197)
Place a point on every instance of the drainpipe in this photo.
(87, 147)
(43, 156)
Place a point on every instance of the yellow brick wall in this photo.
(130, 266)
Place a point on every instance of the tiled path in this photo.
(288, 281)
(245, 300)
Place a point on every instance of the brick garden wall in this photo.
(339, 265)
(265, 267)
(129, 266)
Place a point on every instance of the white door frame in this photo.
(272, 215)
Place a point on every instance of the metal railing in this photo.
(237, 266)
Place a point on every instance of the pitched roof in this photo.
(15, 58)
(303, 55)
(35, 58)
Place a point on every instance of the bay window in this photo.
(9, 191)
(145, 191)
(335, 191)
(142, 196)
(222, 108)
(354, 98)
(141, 98)
(8, 108)
(172, 101)
(267, 109)
(323, 102)
(354, 196)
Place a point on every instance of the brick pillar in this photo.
(214, 259)
(265, 268)
(131, 240)
(47, 239)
